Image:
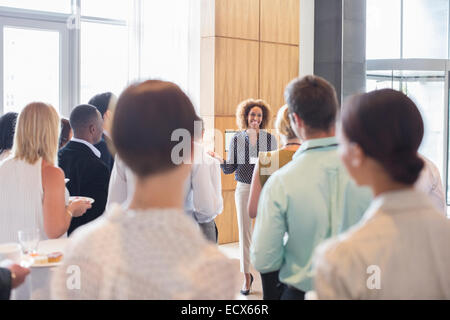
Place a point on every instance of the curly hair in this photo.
(243, 109)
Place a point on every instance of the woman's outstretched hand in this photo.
(216, 156)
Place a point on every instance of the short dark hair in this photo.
(7, 129)
(82, 117)
(388, 126)
(101, 102)
(314, 100)
(145, 117)
(65, 132)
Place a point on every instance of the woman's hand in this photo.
(78, 207)
(216, 156)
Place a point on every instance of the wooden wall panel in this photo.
(280, 21)
(279, 65)
(236, 74)
(227, 221)
(237, 19)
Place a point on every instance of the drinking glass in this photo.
(29, 240)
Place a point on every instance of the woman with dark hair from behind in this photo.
(66, 133)
(399, 250)
(7, 128)
(149, 248)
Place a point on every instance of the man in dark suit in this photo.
(80, 161)
(10, 278)
(103, 102)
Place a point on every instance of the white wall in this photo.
(306, 65)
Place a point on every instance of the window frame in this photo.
(70, 50)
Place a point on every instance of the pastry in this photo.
(54, 257)
(40, 259)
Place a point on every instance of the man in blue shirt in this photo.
(310, 199)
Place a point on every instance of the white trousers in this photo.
(241, 196)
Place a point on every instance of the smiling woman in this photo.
(252, 117)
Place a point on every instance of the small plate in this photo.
(83, 198)
(66, 180)
(28, 262)
(47, 265)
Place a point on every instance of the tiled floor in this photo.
(231, 250)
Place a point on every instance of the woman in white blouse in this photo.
(400, 248)
(32, 188)
(149, 249)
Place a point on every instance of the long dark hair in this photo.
(7, 129)
(387, 125)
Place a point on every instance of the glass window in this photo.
(383, 29)
(429, 98)
(381, 79)
(117, 9)
(31, 67)
(104, 59)
(425, 29)
(61, 6)
(165, 47)
(426, 89)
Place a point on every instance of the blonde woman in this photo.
(32, 189)
(252, 116)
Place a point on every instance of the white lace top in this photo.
(152, 254)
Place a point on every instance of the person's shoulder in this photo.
(222, 281)
(269, 135)
(99, 164)
(52, 172)
(7, 162)
(72, 150)
(97, 233)
(239, 134)
(291, 169)
(340, 248)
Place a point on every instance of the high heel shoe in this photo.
(247, 292)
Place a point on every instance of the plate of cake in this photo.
(47, 260)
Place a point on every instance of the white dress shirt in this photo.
(121, 184)
(149, 254)
(399, 250)
(203, 199)
(204, 188)
(430, 183)
(97, 152)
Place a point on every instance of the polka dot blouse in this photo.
(242, 156)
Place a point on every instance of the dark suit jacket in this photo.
(89, 177)
(5, 284)
(104, 146)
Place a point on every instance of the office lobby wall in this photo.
(249, 49)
